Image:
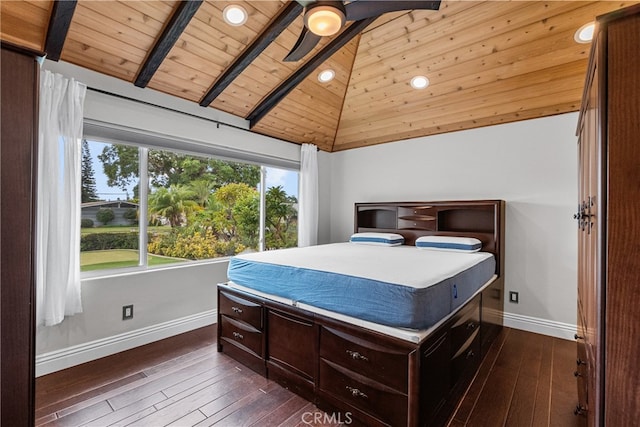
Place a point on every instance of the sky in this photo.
(286, 178)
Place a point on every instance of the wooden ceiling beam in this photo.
(59, 22)
(288, 14)
(303, 72)
(172, 31)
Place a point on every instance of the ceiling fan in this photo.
(325, 18)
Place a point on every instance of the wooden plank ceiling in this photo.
(488, 62)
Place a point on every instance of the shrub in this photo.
(104, 241)
(192, 244)
(86, 223)
(105, 215)
(131, 215)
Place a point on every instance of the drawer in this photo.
(241, 309)
(466, 359)
(383, 403)
(374, 361)
(465, 323)
(292, 343)
(241, 334)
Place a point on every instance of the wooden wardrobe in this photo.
(608, 336)
(18, 154)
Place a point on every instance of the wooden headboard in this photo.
(482, 219)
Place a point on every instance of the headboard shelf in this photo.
(482, 219)
(377, 217)
(466, 220)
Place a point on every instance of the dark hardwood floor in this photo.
(525, 380)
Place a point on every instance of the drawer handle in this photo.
(578, 337)
(580, 362)
(356, 393)
(471, 325)
(236, 310)
(580, 410)
(577, 374)
(470, 354)
(357, 356)
(238, 335)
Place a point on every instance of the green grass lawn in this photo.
(119, 258)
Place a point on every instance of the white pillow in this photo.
(381, 239)
(449, 243)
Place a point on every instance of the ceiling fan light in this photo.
(324, 19)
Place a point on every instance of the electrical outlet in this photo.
(513, 297)
(127, 312)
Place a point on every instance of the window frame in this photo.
(139, 139)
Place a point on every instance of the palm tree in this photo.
(173, 203)
(281, 214)
(202, 190)
(226, 202)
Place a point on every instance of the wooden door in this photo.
(589, 199)
(592, 285)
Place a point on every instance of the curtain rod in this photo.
(128, 98)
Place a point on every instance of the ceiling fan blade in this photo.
(362, 9)
(306, 42)
(305, 3)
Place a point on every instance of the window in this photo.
(195, 207)
(110, 229)
(281, 201)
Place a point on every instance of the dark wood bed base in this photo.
(359, 375)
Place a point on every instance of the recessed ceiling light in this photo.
(419, 82)
(585, 33)
(326, 76)
(234, 15)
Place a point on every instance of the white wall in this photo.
(530, 164)
(166, 301)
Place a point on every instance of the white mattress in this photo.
(373, 262)
(411, 335)
(401, 286)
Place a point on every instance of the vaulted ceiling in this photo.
(488, 62)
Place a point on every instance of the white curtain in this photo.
(308, 196)
(58, 203)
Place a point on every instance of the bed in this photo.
(390, 333)
(400, 286)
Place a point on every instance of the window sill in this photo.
(132, 271)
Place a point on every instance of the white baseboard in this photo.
(540, 326)
(47, 363)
